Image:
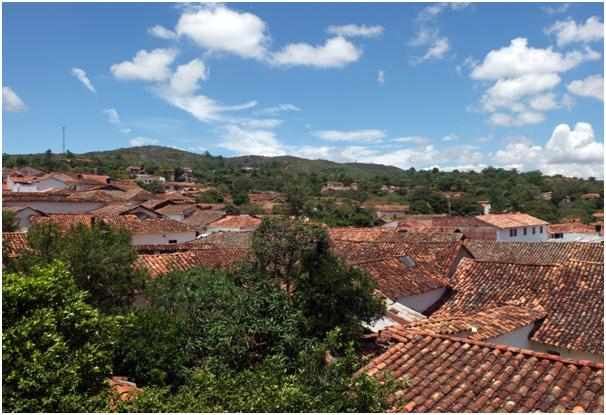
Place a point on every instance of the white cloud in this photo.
(280, 108)
(11, 101)
(450, 137)
(217, 28)
(257, 142)
(412, 139)
(146, 66)
(469, 62)
(81, 75)
(162, 32)
(184, 80)
(505, 92)
(544, 102)
(337, 52)
(516, 120)
(592, 86)
(354, 135)
(518, 59)
(436, 51)
(352, 30)
(143, 141)
(570, 152)
(561, 8)
(381, 77)
(114, 118)
(568, 31)
(254, 123)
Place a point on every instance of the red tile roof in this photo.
(225, 240)
(572, 295)
(14, 242)
(570, 228)
(483, 325)
(202, 218)
(212, 258)
(449, 374)
(236, 221)
(377, 234)
(511, 220)
(541, 253)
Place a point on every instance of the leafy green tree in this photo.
(210, 196)
(100, 258)
(296, 256)
(10, 221)
(155, 187)
(295, 196)
(56, 348)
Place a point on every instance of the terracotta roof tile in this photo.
(511, 220)
(572, 295)
(225, 240)
(236, 221)
(393, 235)
(200, 258)
(14, 242)
(133, 224)
(202, 218)
(540, 253)
(570, 228)
(449, 374)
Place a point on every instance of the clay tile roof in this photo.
(393, 235)
(202, 218)
(511, 220)
(236, 221)
(450, 374)
(121, 208)
(225, 240)
(540, 253)
(212, 258)
(396, 280)
(387, 207)
(572, 295)
(14, 242)
(63, 221)
(570, 228)
(178, 209)
(483, 325)
(126, 390)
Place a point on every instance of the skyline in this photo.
(448, 85)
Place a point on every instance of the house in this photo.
(177, 211)
(571, 294)
(389, 188)
(125, 208)
(387, 210)
(57, 202)
(178, 186)
(223, 239)
(55, 181)
(590, 196)
(485, 205)
(201, 218)
(234, 223)
(144, 232)
(265, 200)
(470, 226)
(23, 213)
(453, 374)
(338, 186)
(210, 258)
(516, 227)
(573, 232)
(149, 178)
(133, 170)
(14, 242)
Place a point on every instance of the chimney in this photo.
(487, 208)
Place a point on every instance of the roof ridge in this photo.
(511, 349)
(485, 261)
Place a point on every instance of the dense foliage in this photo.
(10, 221)
(56, 348)
(301, 180)
(278, 333)
(100, 258)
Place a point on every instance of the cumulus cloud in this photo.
(544, 102)
(381, 77)
(114, 118)
(217, 28)
(11, 101)
(143, 141)
(184, 80)
(592, 86)
(570, 152)
(568, 31)
(519, 59)
(146, 66)
(516, 120)
(352, 30)
(505, 92)
(353, 135)
(162, 32)
(251, 141)
(81, 75)
(336, 52)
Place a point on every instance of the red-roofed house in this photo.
(516, 227)
(234, 223)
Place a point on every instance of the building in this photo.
(178, 186)
(209, 258)
(234, 223)
(201, 218)
(23, 213)
(338, 186)
(149, 178)
(388, 211)
(574, 232)
(590, 196)
(177, 211)
(454, 374)
(516, 227)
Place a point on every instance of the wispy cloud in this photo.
(81, 75)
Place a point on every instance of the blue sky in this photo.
(414, 84)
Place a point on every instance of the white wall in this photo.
(24, 216)
(503, 235)
(153, 239)
(422, 302)
(58, 207)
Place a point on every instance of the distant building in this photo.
(390, 188)
(590, 196)
(328, 186)
(149, 179)
(574, 232)
(387, 210)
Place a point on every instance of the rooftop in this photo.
(236, 221)
(212, 258)
(511, 220)
(449, 374)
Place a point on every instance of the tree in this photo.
(100, 258)
(56, 348)
(295, 196)
(296, 256)
(10, 221)
(209, 196)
